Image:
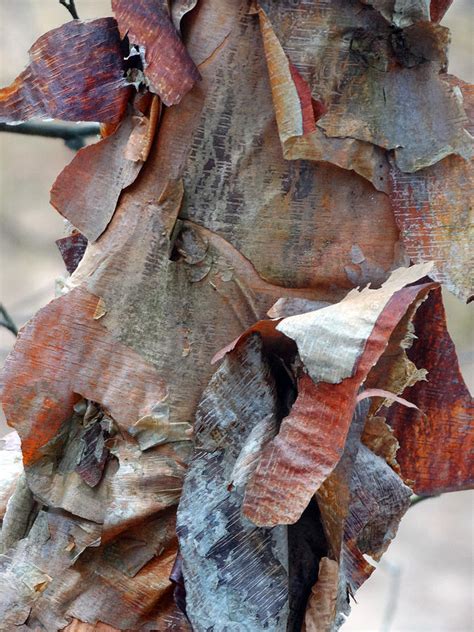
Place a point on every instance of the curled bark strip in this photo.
(366, 77)
(273, 339)
(380, 392)
(87, 190)
(297, 112)
(267, 328)
(330, 340)
(435, 447)
(311, 439)
(75, 74)
(170, 71)
(143, 132)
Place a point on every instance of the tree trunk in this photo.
(216, 427)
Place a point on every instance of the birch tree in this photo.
(224, 416)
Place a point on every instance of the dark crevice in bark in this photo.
(306, 546)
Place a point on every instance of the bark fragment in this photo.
(366, 82)
(434, 213)
(235, 574)
(436, 443)
(304, 453)
(330, 340)
(72, 249)
(87, 190)
(110, 566)
(321, 608)
(64, 351)
(75, 73)
(361, 504)
(168, 67)
(297, 113)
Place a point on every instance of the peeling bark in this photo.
(259, 202)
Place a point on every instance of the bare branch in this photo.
(394, 572)
(7, 321)
(73, 134)
(417, 499)
(71, 7)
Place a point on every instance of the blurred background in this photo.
(425, 580)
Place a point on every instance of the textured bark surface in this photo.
(169, 69)
(258, 202)
(443, 423)
(228, 586)
(75, 73)
(296, 463)
(87, 190)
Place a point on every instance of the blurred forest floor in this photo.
(425, 581)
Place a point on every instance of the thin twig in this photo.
(73, 134)
(7, 321)
(71, 7)
(390, 609)
(417, 499)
